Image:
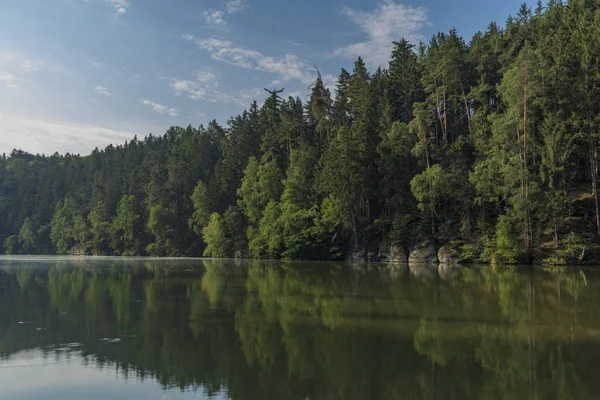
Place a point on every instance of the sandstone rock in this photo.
(393, 254)
(398, 254)
(424, 255)
(373, 256)
(449, 255)
(356, 255)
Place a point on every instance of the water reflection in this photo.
(265, 330)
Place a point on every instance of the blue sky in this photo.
(76, 74)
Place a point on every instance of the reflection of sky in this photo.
(29, 375)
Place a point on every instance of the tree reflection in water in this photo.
(257, 330)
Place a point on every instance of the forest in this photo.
(489, 146)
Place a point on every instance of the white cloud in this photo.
(288, 67)
(8, 80)
(201, 88)
(103, 90)
(235, 6)
(215, 18)
(206, 87)
(161, 109)
(120, 6)
(224, 50)
(97, 64)
(8, 56)
(329, 80)
(243, 98)
(20, 63)
(39, 136)
(32, 66)
(389, 22)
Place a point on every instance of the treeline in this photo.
(490, 145)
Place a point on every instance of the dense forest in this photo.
(490, 146)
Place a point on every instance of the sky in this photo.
(81, 74)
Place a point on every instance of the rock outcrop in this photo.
(394, 253)
(424, 255)
(449, 255)
(356, 255)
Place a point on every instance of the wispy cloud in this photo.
(224, 50)
(120, 6)
(39, 136)
(243, 98)
(215, 18)
(8, 80)
(97, 64)
(18, 63)
(206, 87)
(8, 56)
(235, 6)
(290, 66)
(103, 90)
(389, 22)
(32, 66)
(202, 87)
(161, 109)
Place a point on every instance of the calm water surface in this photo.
(180, 329)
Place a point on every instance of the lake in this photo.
(118, 328)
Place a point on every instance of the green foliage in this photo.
(125, 228)
(11, 244)
(430, 186)
(213, 235)
(268, 240)
(67, 227)
(224, 235)
(570, 251)
(159, 225)
(202, 206)
(27, 237)
(100, 226)
(344, 179)
(504, 248)
(249, 194)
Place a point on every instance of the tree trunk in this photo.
(528, 229)
(466, 106)
(555, 232)
(439, 114)
(445, 127)
(354, 233)
(594, 172)
(525, 130)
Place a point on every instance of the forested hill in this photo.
(490, 145)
